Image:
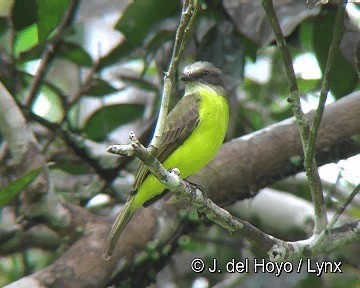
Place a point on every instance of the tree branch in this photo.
(193, 195)
(50, 50)
(308, 136)
(333, 52)
(318, 244)
(172, 180)
(294, 97)
(343, 207)
(277, 249)
(188, 16)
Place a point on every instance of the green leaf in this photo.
(67, 50)
(137, 21)
(140, 83)
(12, 190)
(26, 39)
(140, 16)
(75, 53)
(108, 118)
(153, 45)
(100, 88)
(50, 14)
(307, 86)
(24, 13)
(343, 77)
(117, 53)
(306, 34)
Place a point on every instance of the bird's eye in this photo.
(206, 73)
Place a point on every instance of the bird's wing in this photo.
(180, 123)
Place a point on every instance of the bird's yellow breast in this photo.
(198, 149)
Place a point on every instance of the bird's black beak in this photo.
(185, 77)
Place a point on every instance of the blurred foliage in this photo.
(100, 88)
(75, 53)
(49, 16)
(151, 14)
(226, 33)
(344, 78)
(9, 192)
(24, 13)
(108, 118)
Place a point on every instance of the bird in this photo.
(194, 132)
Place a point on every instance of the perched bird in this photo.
(194, 131)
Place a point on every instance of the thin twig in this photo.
(294, 97)
(325, 234)
(83, 89)
(188, 16)
(50, 51)
(333, 52)
(343, 207)
(309, 161)
(320, 221)
(86, 85)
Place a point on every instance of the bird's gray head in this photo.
(203, 72)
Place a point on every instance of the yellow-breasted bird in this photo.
(194, 132)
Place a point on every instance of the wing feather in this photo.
(180, 123)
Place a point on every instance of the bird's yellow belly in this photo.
(197, 150)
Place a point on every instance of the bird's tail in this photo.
(118, 227)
